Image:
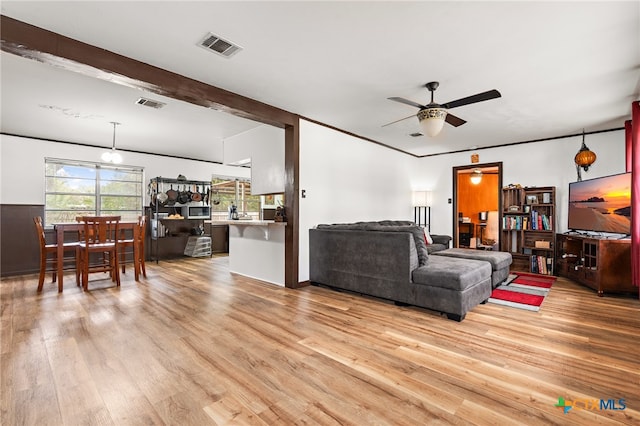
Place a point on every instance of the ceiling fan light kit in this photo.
(432, 120)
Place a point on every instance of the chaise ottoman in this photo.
(457, 286)
(499, 260)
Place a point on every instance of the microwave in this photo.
(196, 212)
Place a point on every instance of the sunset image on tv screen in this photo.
(602, 204)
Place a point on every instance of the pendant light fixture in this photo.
(584, 158)
(112, 156)
(476, 176)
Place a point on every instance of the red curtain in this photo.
(628, 139)
(635, 193)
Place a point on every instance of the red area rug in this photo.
(526, 291)
(542, 281)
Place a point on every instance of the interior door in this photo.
(477, 193)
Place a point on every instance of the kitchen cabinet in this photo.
(219, 238)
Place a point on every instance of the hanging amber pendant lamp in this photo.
(585, 157)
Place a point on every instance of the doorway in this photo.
(477, 196)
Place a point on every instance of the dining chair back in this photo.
(49, 255)
(142, 232)
(135, 247)
(100, 236)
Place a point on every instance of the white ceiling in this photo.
(561, 67)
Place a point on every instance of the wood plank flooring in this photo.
(195, 345)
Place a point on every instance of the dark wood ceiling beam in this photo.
(32, 42)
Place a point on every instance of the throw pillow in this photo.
(427, 236)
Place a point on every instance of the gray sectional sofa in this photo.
(390, 260)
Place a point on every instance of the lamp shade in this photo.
(421, 198)
(585, 157)
(116, 158)
(432, 120)
(112, 157)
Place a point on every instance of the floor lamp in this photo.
(422, 209)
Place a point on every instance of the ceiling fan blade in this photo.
(453, 120)
(407, 102)
(397, 121)
(485, 96)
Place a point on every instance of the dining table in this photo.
(62, 229)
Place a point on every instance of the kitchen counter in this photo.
(256, 248)
(247, 222)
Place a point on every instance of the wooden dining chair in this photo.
(100, 236)
(142, 232)
(49, 255)
(135, 246)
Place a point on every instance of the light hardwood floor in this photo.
(195, 345)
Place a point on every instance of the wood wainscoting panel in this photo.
(19, 243)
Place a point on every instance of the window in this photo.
(74, 188)
(227, 191)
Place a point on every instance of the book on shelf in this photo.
(541, 265)
(537, 222)
(540, 222)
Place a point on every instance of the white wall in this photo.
(548, 163)
(264, 145)
(22, 167)
(347, 179)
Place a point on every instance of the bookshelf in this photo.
(528, 228)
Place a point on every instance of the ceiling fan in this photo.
(432, 116)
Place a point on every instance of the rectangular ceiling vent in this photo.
(150, 103)
(222, 47)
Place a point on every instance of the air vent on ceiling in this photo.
(416, 134)
(150, 103)
(222, 47)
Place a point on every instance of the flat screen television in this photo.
(601, 205)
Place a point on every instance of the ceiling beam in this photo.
(32, 42)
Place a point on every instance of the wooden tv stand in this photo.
(603, 264)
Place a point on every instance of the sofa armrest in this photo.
(441, 239)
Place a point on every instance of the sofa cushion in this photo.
(389, 226)
(498, 259)
(441, 239)
(418, 238)
(432, 248)
(452, 273)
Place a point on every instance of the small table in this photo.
(61, 228)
